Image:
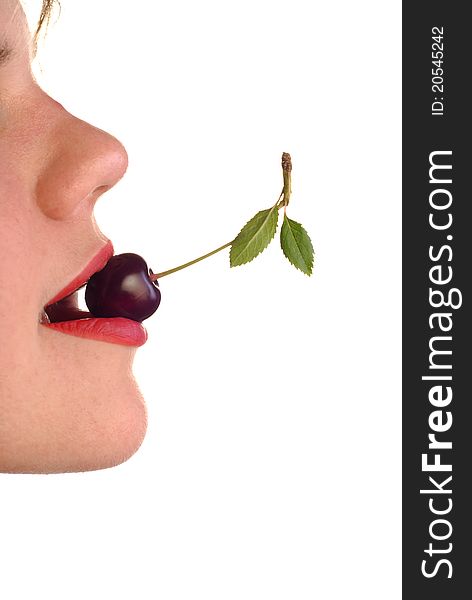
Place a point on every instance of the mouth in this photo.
(63, 314)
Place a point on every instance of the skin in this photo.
(66, 404)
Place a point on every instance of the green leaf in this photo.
(296, 245)
(254, 237)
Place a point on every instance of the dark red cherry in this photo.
(123, 289)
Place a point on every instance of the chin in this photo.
(112, 437)
(124, 434)
(98, 441)
(85, 412)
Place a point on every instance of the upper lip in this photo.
(96, 264)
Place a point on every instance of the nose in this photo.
(79, 163)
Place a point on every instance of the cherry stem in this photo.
(282, 201)
(287, 173)
(155, 276)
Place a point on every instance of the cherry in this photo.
(123, 288)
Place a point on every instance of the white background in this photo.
(271, 466)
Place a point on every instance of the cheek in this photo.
(76, 408)
(21, 264)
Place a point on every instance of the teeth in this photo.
(43, 318)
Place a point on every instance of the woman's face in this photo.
(67, 403)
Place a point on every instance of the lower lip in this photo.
(117, 330)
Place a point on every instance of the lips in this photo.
(62, 313)
(116, 330)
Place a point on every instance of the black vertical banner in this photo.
(437, 269)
